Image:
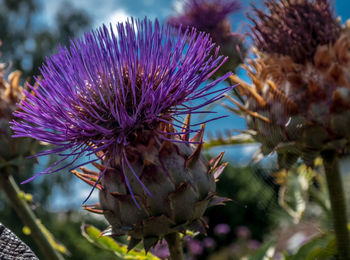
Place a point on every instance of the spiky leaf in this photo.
(92, 234)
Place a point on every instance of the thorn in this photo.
(91, 180)
(149, 242)
(87, 171)
(214, 162)
(218, 171)
(89, 176)
(186, 125)
(95, 208)
(197, 151)
(100, 167)
(132, 243)
(216, 200)
(199, 135)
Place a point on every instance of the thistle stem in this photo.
(337, 199)
(175, 246)
(27, 216)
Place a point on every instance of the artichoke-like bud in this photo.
(120, 96)
(180, 179)
(212, 16)
(297, 108)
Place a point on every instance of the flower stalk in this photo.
(27, 216)
(338, 205)
(175, 246)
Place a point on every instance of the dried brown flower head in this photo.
(294, 27)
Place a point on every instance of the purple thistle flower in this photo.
(161, 250)
(222, 229)
(98, 95)
(211, 16)
(209, 242)
(243, 232)
(195, 247)
(208, 16)
(253, 244)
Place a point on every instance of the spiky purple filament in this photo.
(106, 88)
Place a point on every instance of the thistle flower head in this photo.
(101, 93)
(294, 27)
(208, 16)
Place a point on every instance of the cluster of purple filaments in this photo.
(108, 85)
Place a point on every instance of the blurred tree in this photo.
(27, 39)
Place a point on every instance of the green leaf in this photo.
(321, 247)
(92, 234)
(265, 252)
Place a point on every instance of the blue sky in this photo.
(112, 11)
(116, 10)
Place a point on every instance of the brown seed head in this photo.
(294, 27)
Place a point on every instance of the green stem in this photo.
(175, 246)
(338, 205)
(27, 216)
